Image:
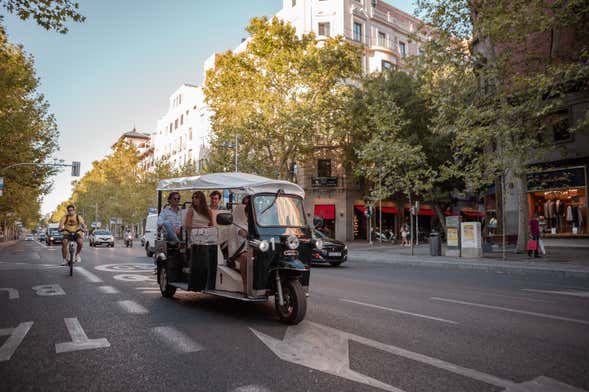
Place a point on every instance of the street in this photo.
(369, 327)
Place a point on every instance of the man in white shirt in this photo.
(170, 218)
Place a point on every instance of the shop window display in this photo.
(560, 211)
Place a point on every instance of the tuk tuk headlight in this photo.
(292, 242)
(319, 243)
(264, 246)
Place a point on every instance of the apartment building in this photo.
(182, 132)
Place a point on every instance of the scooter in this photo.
(129, 240)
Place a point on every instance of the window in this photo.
(176, 124)
(382, 39)
(190, 134)
(386, 65)
(357, 32)
(171, 127)
(293, 3)
(560, 127)
(324, 168)
(179, 99)
(402, 49)
(323, 29)
(181, 119)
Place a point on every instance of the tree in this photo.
(276, 95)
(392, 144)
(493, 85)
(49, 14)
(28, 133)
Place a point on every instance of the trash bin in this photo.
(435, 245)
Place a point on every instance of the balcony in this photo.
(324, 182)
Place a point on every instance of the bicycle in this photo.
(72, 249)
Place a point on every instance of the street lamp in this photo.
(232, 145)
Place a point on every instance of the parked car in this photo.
(150, 234)
(54, 236)
(101, 237)
(333, 251)
(29, 237)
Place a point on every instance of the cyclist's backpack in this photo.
(77, 219)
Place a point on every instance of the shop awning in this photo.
(362, 209)
(473, 213)
(389, 210)
(450, 213)
(326, 211)
(423, 211)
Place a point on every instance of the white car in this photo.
(150, 234)
(29, 237)
(102, 237)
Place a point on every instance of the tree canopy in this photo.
(49, 14)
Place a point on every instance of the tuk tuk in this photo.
(265, 220)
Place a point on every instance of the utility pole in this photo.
(380, 208)
(236, 151)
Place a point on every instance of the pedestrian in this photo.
(404, 234)
(534, 236)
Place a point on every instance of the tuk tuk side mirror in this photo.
(224, 219)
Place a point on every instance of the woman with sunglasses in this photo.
(170, 218)
(200, 215)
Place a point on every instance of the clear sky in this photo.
(117, 69)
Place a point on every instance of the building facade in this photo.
(181, 134)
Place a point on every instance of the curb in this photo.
(501, 269)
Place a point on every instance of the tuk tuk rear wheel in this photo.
(162, 279)
(295, 302)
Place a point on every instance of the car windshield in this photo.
(286, 211)
(319, 234)
(102, 232)
(53, 231)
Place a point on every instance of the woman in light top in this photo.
(200, 215)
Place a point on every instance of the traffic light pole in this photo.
(75, 166)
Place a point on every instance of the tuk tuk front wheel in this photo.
(295, 302)
(162, 279)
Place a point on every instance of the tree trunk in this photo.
(521, 183)
(440, 215)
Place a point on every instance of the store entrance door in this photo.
(327, 212)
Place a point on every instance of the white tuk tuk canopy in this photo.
(238, 182)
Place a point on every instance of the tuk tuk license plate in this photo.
(335, 254)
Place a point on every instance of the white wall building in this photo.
(182, 132)
(382, 29)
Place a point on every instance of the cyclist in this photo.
(75, 226)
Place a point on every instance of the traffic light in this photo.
(75, 169)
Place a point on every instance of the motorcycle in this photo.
(129, 240)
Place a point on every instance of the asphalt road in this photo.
(369, 327)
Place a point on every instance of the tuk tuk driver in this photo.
(170, 218)
(243, 256)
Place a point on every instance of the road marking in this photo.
(12, 293)
(399, 311)
(108, 290)
(543, 315)
(48, 290)
(132, 307)
(574, 293)
(16, 337)
(79, 339)
(126, 267)
(327, 349)
(252, 388)
(133, 278)
(179, 341)
(43, 245)
(542, 384)
(88, 275)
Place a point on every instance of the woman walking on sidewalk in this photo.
(535, 234)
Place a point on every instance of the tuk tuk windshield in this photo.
(284, 210)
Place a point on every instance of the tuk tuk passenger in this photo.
(170, 218)
(199, 215)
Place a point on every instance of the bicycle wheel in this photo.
(71, 260)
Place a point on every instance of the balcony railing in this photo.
(325, 182)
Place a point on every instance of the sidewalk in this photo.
(562, 259)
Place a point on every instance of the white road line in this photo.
(132, 307)
(399, 311)
(573, 293)
(88, 275)
(16, 337)
(542, 315)
(179, 341)
(108, 290)
(43, 245)
(79, 339)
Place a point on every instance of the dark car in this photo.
(42, 237)
(54, 236)
(333, 251)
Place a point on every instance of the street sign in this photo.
(75, 169)
(1, 185)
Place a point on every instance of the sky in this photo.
(117, 70)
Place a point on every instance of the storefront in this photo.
(327, 213)
(558, 197)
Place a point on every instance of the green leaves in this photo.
(278, 95)
(49, 14)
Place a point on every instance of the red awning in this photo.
(423, 211)
(326, 211)
(389, 210)
(450, 213)
(362, 209)
(473, 213)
